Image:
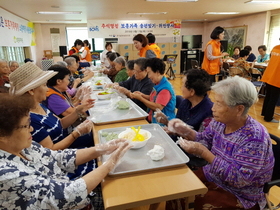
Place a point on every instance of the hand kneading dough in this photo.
(157, 153)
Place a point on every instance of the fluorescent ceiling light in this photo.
(173, 0)
(263, 1)
(59, 13)
(221, 13)
(64, 20)
(146, 13)
(194, 20)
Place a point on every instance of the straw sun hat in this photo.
(27, 77)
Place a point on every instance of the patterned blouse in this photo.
(244, 160)
(41, 182)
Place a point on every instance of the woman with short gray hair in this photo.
(120, 63)
(236, 146)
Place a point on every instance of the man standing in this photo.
(152, 39)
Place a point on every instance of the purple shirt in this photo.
(244, 160)
(57, 104)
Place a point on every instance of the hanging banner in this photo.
(129, 28)
(18, 32)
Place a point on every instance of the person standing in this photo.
(78, 44)
(103, 57)
(86, 55)
(212, 55)
(271, 78)
(152, 39)
(141, 43)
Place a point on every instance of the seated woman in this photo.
(251, 57)
(141, 43)
(237, 148)
(242, 63)
(196, 105)
(48, 128)
(162, 97)
(4, 76)
(75, 78)
(111, 72)
(130, 68)
(120, 63)
(34, 177)
(236, 51)
(13, 65)
(138, 82)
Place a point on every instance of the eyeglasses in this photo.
(28, 126)
(137, 71)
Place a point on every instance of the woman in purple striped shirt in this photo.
(237, 147)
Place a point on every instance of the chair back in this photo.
(194, 64)
(236, 71)
(276, 152)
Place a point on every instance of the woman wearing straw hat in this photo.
(33, 177)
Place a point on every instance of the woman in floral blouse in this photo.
(34, 177)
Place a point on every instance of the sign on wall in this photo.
(129, 28)
(18, 32)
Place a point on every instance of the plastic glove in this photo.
(82, 91)
(160, 117)
(117, 155)
(178, 126)
(84, 128)
(123, 90)
(85, 105)
(192, 147)
(109, 147)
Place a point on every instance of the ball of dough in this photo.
(157, 153)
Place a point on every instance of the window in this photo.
(74, 33)
(12, 54)
(274, 32)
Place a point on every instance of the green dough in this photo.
(123, 105)
(104, 134)
(111, 136)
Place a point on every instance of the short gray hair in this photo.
(120, 60)
(237, 91)
(3, 61)
(62, 63)
(12, 62)
(70, 61)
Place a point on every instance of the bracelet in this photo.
(80, 115)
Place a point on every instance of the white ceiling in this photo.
(118, 9)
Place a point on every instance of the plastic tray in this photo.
(105, 112)
(137, 160)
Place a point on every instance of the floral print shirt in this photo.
(40, 182)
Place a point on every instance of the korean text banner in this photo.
(129, 28)
(18, 32)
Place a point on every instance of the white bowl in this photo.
(99, 86)
(136, 144)
(103, 97)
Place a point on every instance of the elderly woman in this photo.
(4, 73)
(141, 43)
(111, 71)
(75, 78)
(236, 51)
(236, 146)
(130, 68)
(120, 63)
(34, 177)
(138, 82)
(162, 97)
(195, 105)
(13, 65)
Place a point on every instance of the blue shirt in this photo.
(251, 57)
(265, 58)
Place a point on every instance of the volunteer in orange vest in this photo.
(86, 55)
(271, 78)
(212, 54)
(78, 44)
(141, 43)
(152, 39)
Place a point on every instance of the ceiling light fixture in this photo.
(59, 13)
(147, 13)
(221, 13)
(173, 0)
(263, 2)
(64, 20)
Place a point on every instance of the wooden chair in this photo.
(236, 71)
(272, 196)
(258, 84)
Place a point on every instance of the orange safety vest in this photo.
(156, 49)
(142, 52)
(272, 72)
(212, 66)
(73, 50)
(88, 56)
